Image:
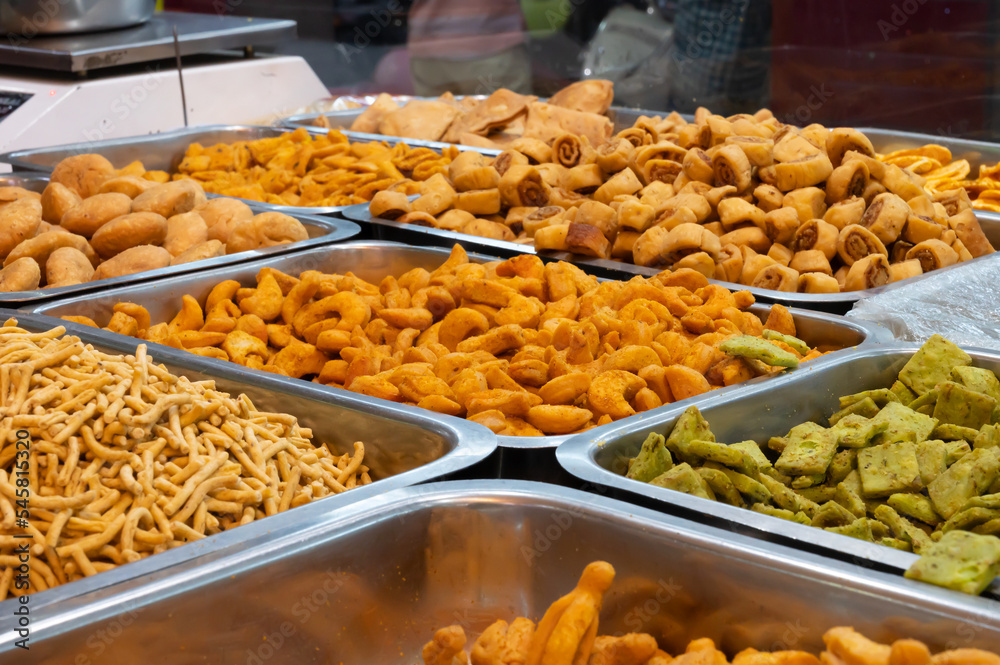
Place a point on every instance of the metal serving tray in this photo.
(759, 412)
(29, 181)
(370, 583)
(838, 303)
(403, 446)
(164, 152)
(372, 261)
(322, 231)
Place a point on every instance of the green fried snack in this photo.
(932, 457)
(786, 498)
(715, 452)
(751, 450)
(966, 478)
(889, 468)
(797, 433)
(932, 364)
(902, 528)
(690, 426)
(755, 348)
(683, 478)
(960, 561)
(854, 431)
(722, 486)
(859, 528)
(879, 529)
(881, 397)
(843, 463)
(927, 400)
(958, 405)
(978, 380)
(895, 543)
(915, 506)
(969, 518)
(808, 456)
(793, 342)
(988, 436)
(866, 408)
(903, 424)
(956, 450)
(903, 394)
(819, 494)
(832, 513)
(799, 517)
(850, 499)
(653, 459)
(985, 501)
(754, 491)
(948, 432)
(805, 482)
(991, 528)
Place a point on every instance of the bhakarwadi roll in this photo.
(905, 269)
(777, 278)
(720, 128)
(453, 220)
(854, 242)
(634, 215)
(542, 217)
(886, 216)
(816, 234)
(791, 146)
(734, 212)
(485, 228)
(768, 197)
(615, 155)
(479, 201)
(732, 167)
(869, 272)
(847, 180)
(436, 195)
(553, 174)
(662, 150)
(565, 198)
(523, 186)
(898, 250)
(699, 262)
(845, 212)
(600, 215)
(636, 136)
(715, 227)
(749, 236)
(650, 126)
(670, 218)
(780, 225)
(508, 158)
(780, 253)
(656, 194)
(918, 229)
(922, 206)
(901, 182)
(698, 166)
(552, 237)
(933, 254)
(623, 182)
(694, 135)
(757, 149)
(874, 189)
(953, 200)
(715, 195)
(842, 140)
(477, 177)
(660, 247)
(817, 282)
(753, 263)
(963, 253)
(811, 260)
(696, 202)
(389, 205)
(968, 230)
(536, 150)
(568, 150)
(587, 240)
(516, 215)
(841, 276)
(729, 264)
(584, 179)
(948, 237)
(418, 218)
(805, 172)
(661, 170)
(463, 163)
(623, 244)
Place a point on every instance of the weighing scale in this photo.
(117, 83)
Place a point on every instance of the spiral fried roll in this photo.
(855, 242)
(697, 166)
(660, 170)
(757, 149)
(623, 182)
(780, 254)
(846, 212)
(846, 181)
(509, 158)
(732, 168)
(730, 264)
(933, 254)
(584, 179)
(635, 215)
(805, 172)
(542, 217)
(612, 157)
(886, 216)
(768, 197)
(919, 229)
(389, 205)
(905, 270)
(844, 139)
(817, 282)
(780, 225)
(777, 278)
(868, 273)
(816, 234)
(968, 230)
(523, 186)
(568, 150)
(733, 212)
(636, 136)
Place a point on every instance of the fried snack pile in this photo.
(303, 169)
(522, 347)
(125, 459)
(943, 173)
(94, 222)
(568, 635)
(743, 199)
(910, 467)
(495, 122)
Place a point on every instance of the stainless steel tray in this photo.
(30, 181)
(164, 152)
(403, 446)
(758, 412)
(372, 261)
(370, 583)
(322, 231)
(839, 303)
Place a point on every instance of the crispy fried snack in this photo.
(525, 348)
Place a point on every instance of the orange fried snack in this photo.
(522, 347)
(303, 169)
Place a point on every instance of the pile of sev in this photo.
(127, 459)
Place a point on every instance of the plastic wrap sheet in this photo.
(962, 304)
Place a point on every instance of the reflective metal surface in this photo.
(67, 17)
(600, 456)
(372, 261)
(839, 303)
(370, 583)
(403, 446)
